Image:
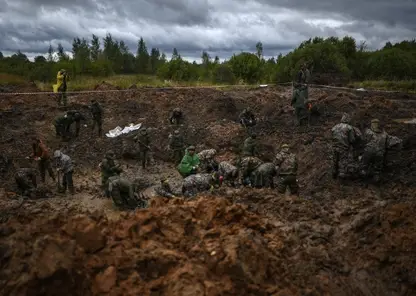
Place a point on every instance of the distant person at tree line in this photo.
(61, 86)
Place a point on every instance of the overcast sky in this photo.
(221, 27)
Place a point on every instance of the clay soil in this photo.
(334, 239)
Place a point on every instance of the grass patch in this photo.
(122, 81)
(11, 79)
(401, 85)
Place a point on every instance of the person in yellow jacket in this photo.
(60, 86)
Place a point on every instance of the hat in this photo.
(375, 120)
(285, 146)
(176, 132)
(57, 154)
(191, 147)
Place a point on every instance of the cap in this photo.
(285, 146)
(191, 147)
(57, 154)
(375, 120)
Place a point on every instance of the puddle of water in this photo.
(406, 120)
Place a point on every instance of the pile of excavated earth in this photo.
(348, 238)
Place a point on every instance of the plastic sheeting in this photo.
(120, 131)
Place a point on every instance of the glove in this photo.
(194, 168)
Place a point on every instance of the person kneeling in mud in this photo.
(122, 193)
(228, 172)
(26, 180)
(208, 164)
(194, 184)
(288, 168)
(262, 176)
(190, 163)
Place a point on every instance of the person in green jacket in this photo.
(190, 163)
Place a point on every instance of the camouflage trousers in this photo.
(97, 121)
(340, 163)
(301, 115)
(145, 158)
(178, 155)
(372, 164)
(286, 181)
(262, 180)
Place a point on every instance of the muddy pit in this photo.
(335, 239)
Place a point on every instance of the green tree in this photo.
(143, 57)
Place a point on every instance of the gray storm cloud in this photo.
(221, 27)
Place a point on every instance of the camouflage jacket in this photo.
(65, 163)
(343, 136)
(109, 167)
(176, 142)
(379, 142)
(287, 162)
(144, 141)
(266, 169)
(299, 99)
(207, 154)
(249, 164)
(226, 169)
(304, 76)
(250, 147)
(197, 183)
(96, 110)
(75, 115)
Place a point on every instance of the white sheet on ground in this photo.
(115, 132)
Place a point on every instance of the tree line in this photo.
(331, 60)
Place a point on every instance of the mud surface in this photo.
(335, 239)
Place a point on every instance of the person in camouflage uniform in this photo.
(208, 164)
(164, 189)
(62, 125)
(176, 117)
(194, 184)
(288, 167)
(26, 180)
(109, 167)
(247, 118)
(304, 76)
(228, 172)
(250, 146)
(75, 116)
(247, 166)
(344, 137)
(299, 102)
(143, 138)
(97, 116)
(177, 145)
(121, 192)
(190, 163)
(377, 142)
(64, 165)
(263, 175)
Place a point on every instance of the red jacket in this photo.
(40, 150)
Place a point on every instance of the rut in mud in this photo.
(335, 239)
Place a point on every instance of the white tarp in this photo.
(119, 131)
(361, 89)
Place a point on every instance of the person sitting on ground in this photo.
(247, 117)
(176, 116)
(190, 163)
(26, 180)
